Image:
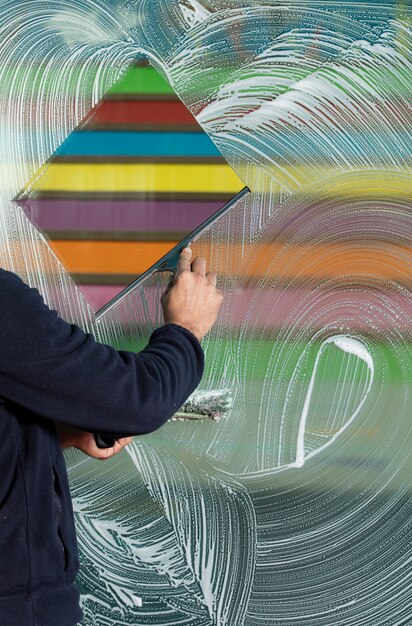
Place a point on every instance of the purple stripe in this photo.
(150, 215)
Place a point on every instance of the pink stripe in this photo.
(343, 310)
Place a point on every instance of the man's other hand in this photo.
(74, 438)
(192, 300)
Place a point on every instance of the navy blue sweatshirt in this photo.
(52, 371)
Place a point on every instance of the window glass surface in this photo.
(293, 508)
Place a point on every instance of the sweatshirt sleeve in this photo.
(54, 369)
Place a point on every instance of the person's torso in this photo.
(38, 552)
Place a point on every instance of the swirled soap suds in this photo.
(295, 508)
(193, 12)
(350, 345)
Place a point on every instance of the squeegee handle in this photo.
(168, 263)
(104, 442)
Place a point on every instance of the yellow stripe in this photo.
(320, 181)
(209, 178)
(138, 177)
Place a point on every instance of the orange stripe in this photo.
(110, 257)
(274, 260)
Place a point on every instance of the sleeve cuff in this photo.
(181, 329)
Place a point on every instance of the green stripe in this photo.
(256, 355)
(143, 80)
(146, 80)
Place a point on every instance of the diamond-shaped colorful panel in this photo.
(135, 177)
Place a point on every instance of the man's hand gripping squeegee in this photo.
(201, 404)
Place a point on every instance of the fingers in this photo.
(125, 441)
(121, 443)
(212, 278)
(102, 455)
(168, 288)
(199, 266)
(184, 262)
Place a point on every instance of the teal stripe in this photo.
(112, 144)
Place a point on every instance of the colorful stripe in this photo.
(339, 187)
(273, 261)
(117, 215)
(110, 257)
(129, 113)
(288, 302)
(141, 178)
(146, 144)
(141, 79)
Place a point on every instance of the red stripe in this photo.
(142, 112)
